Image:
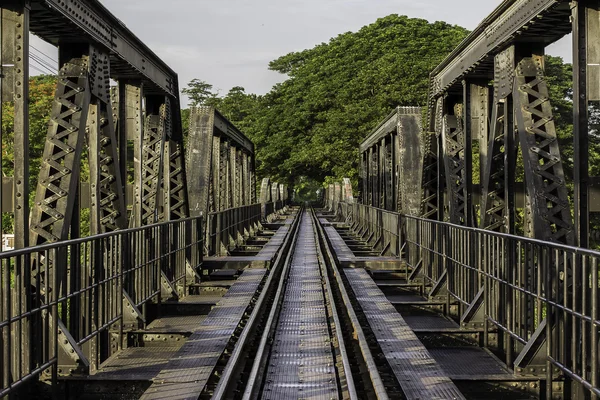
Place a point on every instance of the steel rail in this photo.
(376, 380)
(251, 390)
(227, 381)
(336, 319)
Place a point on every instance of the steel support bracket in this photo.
(71, 360)
(439, 291)
(415, 274)
(474, 315)
(132, 317)
(532, 359)
(167, 290)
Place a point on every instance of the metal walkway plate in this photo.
(346, 258)
(302, 363)
(136, 363)
(471, 363)
(418, 373)
(188, 371)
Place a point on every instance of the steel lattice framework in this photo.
(490, 101)
(130, 135)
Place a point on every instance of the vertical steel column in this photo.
(214, 199)
(108, 212)
(586, 97)
(397, 177)
(233, 176)
(547, 194)
(131, 130)
(252, 166)
(430, 203)
(265, 196)
(107, 204)
(478, 128)
(496, 180)
(382, 174)
(453, 144)
(199, 159)
(14, 87)
(59, 171)
(389, 169)
(175, 174)
(246, 179)
(176, 203)
(223, 171)
(371, 178)
(475, 115)
(365, 177)
(408, 153)
(541, 156)
(152, 159)
(14, 61)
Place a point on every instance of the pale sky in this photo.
(230, 42)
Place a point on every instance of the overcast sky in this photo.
(230, 42)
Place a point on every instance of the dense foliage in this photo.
(311, 124)
(41, 95)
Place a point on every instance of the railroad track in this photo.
(305, 339)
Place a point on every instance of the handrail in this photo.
(519, 289)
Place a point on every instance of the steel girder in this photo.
(108, 212)
(60, 22)
(453, 143)
(542, 21)
(544, 174)
(59, 173)
(220, 163)
(430, 203)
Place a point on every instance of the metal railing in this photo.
(528, 292)
(70, 316)
(228, 229)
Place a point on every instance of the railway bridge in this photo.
(462, 267)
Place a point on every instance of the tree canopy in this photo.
(199, 92)
(311, 124)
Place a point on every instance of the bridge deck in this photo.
(302, 363)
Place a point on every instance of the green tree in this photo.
(312, 123)
(41, 95)
(199, 92)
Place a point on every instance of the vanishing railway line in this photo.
(315, 341)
